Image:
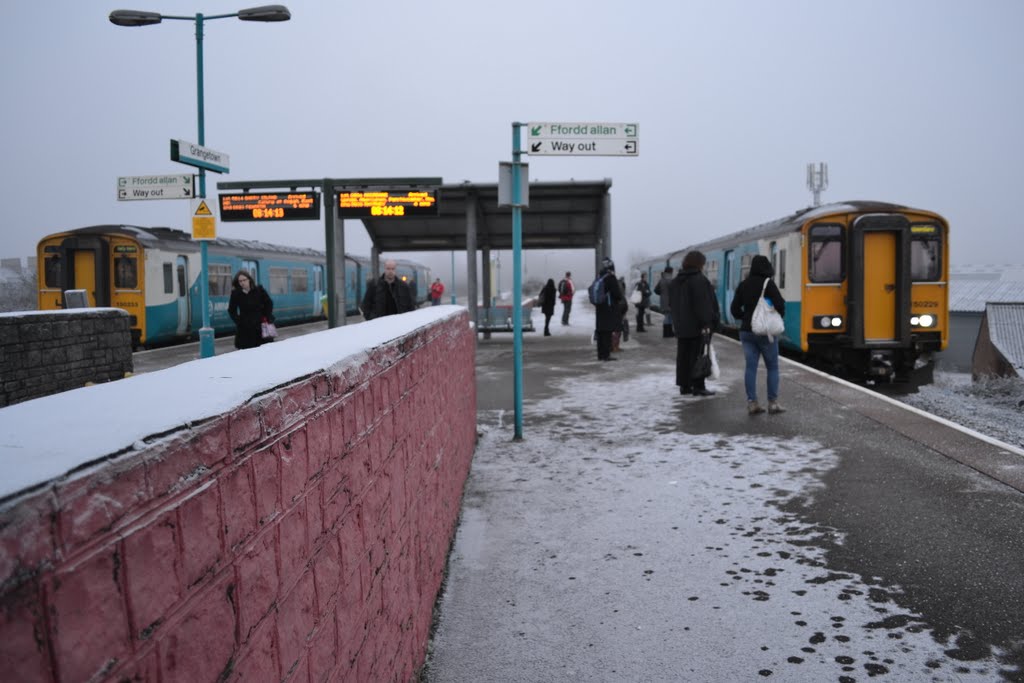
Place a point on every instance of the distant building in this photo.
(1000, 348)
(970, 289)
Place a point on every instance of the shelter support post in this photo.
(485, 260)
(471, 280)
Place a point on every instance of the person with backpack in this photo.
(606, 296)
(565, 292)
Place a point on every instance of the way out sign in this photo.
(583, 139)
(204, 225)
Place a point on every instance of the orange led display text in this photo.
(277, 206)
(381, 203)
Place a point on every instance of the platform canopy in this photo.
(561, 215)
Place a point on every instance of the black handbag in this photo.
(702, 366)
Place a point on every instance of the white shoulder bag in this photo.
(766, 320)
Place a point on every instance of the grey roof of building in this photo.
(970, 296)
(1006, 330)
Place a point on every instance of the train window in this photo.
(745, 266)
(826, 253)
(182, 286)
(300, 281)
(925, 253)
(712, 274)
(278, 280)
(780, 272)
(219, 275)
(168, 278)
(126, 272)
(53, 271)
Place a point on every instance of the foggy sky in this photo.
(912, 101)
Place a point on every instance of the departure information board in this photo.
(277, 206)
(381, 203)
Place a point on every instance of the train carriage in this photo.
(153, 274)
(866, 284)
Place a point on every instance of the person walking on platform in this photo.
(248, 307)
(694, 316)
(388, 295)
(645, 301)
(662, 290)
(757, 346)
(436, 292)
(608, 309)
(565, 291)
(546, 298)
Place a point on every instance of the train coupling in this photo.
(880, 366)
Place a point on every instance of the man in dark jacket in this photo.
(694, 315)
(609, 315)
(645, 301)
(388, 295)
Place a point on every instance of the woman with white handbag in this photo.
(759, 303)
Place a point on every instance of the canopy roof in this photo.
(561, 215)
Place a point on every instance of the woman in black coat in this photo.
(248, 306)
(694, 315)
(757, 346)
(547, 298)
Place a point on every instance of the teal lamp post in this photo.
(127, 17)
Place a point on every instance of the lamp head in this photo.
(265, 13)
(131, 17)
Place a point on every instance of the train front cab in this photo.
(108, 267)
(875, 299)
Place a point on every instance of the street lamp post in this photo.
(265, 13)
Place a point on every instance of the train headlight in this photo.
(828, 322)
(924, 320)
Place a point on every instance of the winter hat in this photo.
(607, 264)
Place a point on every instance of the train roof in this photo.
(795, 220)
(161, 236)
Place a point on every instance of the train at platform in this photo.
(865, 283)
(154, 275)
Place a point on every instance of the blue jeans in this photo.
(756, 346)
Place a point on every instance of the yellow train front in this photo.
(875, 299)
(865, 284)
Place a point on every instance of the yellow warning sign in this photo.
(204, 225)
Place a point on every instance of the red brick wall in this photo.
(301, 536)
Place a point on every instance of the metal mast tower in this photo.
(817, 180)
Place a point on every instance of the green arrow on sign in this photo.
(535, 131)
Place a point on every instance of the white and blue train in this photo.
(865, 283)
(153, 274)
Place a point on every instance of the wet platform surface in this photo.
(637, 535)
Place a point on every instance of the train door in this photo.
(84, 270)
(184, 310)
(729, 273)
(318, 290)
(86, 266)
(254, 269)
(879, 279)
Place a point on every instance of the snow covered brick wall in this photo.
(44, 352)
(297, 533)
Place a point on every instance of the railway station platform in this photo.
(638, 535)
